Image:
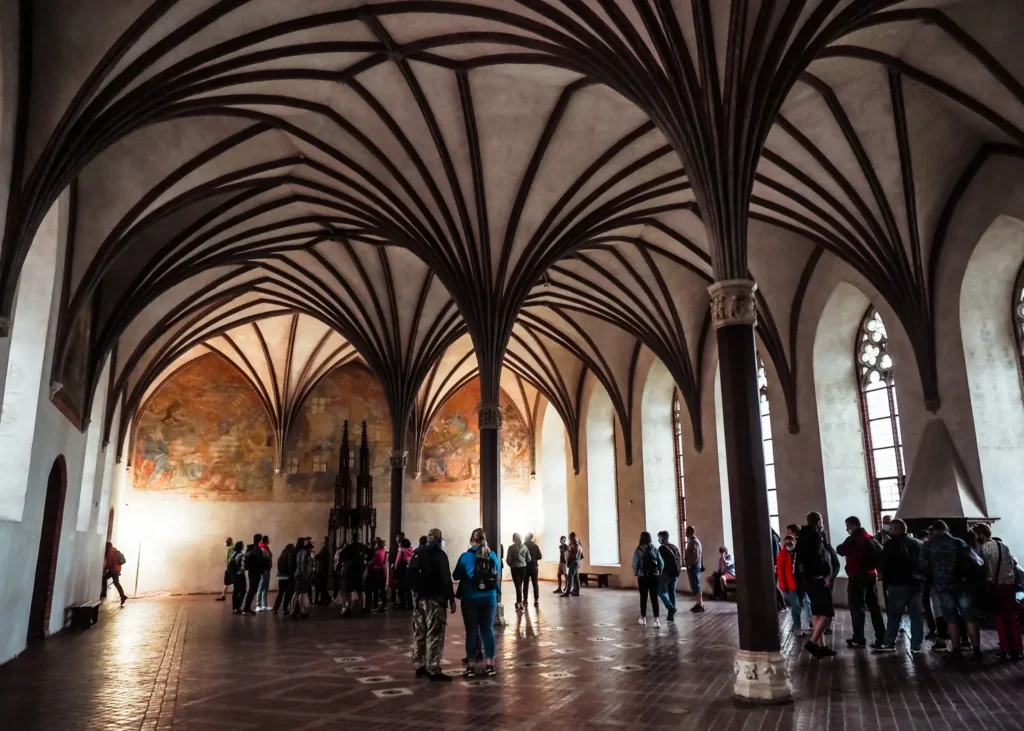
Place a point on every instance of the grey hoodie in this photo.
(518, 556)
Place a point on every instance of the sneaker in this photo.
(519, 607)
(439, 677)
(940, 646)
(882, 647)
(877, 646)
(469, 672)
(931, 636)
(221, 599)
(657, 622)
(421, 671)
(814, 649)
(123, 600)
(856, 644)
(698, 609)
(642, 622)
(826, 651)
(916, 650)
(246, 613)
(236, 611)
(557, 591)
(489, 671)
(671, 616)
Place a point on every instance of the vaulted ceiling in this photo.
(530, 192)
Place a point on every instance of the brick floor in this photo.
(576, 663)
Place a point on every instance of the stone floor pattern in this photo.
(187, 663)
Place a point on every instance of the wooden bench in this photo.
(601, 579)
(83, 616)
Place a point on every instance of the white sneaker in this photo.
(643, 621)
(657, 622)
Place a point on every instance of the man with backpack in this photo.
(900, 565)
(816, 571)
(863, 554)
(647, 568)
(672, 560)
(255, 563)
(429, 576)
(956, 572)
(113, 560)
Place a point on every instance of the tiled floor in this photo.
(575, 663)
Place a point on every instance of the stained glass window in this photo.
(880, 412)
(768, 446)
(677, 442)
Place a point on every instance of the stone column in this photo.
(760, 670)
(399, 460)
(489, 422)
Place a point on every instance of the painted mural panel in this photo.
(451, 448)
(205, 434)
(351, 392)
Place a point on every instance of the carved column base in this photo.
(761, 678)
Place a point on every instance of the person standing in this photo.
(478, 572)
(956, 572)
(694, 560)
(672, 561)
(900, 564)
(647, 568)
(229, 579)
(113, 560)
(863, 554)
(376, 576)
(352, 563)
(1001, 587)
(517, 558)
(532, 571)
(303, 581)
(573, 559)
(255, 563)
(563, 560)
(285, 577)
(429, 576)
(814, 567)
(321, 572)
(786, 581)
(264, 588)
(238, 574)
(402, 560)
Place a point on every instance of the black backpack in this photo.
(673, 561)
(254, 561)
(423, 576)
(485, 573)
(970, 567)
(649, 563)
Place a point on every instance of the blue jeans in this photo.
(478, 616)
(667, 590)
(905, 599)
(956, 605)
(572, 577)
(798, 604)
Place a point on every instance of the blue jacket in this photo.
(464, 575)
(638, 561)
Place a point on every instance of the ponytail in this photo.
(480, 538)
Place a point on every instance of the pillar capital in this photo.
(732, 303)
(761, 677)
(399, 459)
(489, 416)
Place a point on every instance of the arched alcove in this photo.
(49, 546)
(602, 491)
(661, 485)
(989, 298)
(554, 481)
(836, 396)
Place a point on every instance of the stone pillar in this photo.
(489, 422)
(399, 460)
(760, 670)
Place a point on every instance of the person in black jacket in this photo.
(814, 569)
(285, 575)
(673, 561)
(899, 565)
(532, 572)
(862, 553)
(431, 576)
(255, 563)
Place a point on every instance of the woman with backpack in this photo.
(237, 569)
(479, 575)
(303, 580)
(647, 568)
(517, 559)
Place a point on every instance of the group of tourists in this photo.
(915, 572)
(248, 575)
(657, 572)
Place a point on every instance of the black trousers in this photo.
(518, 575)
(115, 579)
(531, 576)
(254, 584)
(285, 589)
(238, 595)
(861, 594)
(648, 590)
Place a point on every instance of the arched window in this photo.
(879, 413)
(1018, 322)
(677, 443)
(767, 445)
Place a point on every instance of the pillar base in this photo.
(761, 678)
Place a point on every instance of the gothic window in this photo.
(319, 464)
(318, 405)
(1018, 322)
(767, 445)
(879, 413)
(677, 443)
(293, 465)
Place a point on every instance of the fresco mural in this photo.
(451, 448)
(205, 434)
(311, 454)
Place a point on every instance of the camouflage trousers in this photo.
(429, 623)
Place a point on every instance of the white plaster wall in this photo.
(553, 459)
(659, 468)
(986, 298)
(601, 483)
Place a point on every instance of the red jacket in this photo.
(784, 570)
(110, 563)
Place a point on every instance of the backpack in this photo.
(873, 553)
(254, 560)
(121, 561)
(673, 560)
(649, 563)
(422, 575)
(485, 574)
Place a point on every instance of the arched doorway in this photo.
(49, 543)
